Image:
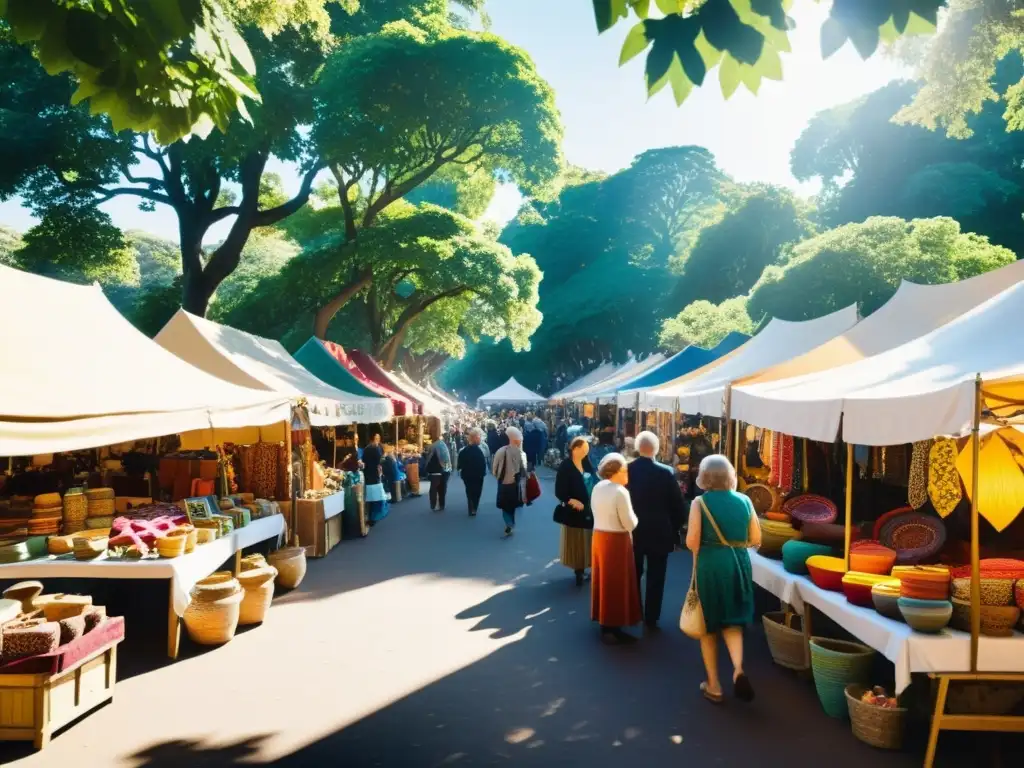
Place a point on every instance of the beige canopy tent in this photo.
(118, 386)
(600, 373)
(252, 361)
(606, 389)
(704, 391)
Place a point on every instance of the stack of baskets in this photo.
(837, 664)
(100, 509)
(172, 544)
(75, 510)
(786, 640)
(212, 615)
(258, 584)
(773, 535)
(47, 511)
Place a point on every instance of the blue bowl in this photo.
(926, 615)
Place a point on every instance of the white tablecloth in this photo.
(334, 505)
(909, 651)
(183, 571)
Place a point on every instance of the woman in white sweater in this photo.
(614, 595)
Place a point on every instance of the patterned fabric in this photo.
(775, 455)
(765, 447)
(263, 482)
(799, 456)
(943, 480)
(917, 483)
(783, 450)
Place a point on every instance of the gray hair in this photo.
(647, 444)
(514, 434)
(716, 473)
(476, 434)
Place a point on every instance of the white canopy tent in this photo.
(602, 371)
(124, 387)
(606, 389)
(914, 391)
(703, 391)
(912, 311)
(511, 393)
(432, 405)
(252, 361)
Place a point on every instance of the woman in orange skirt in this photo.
(614, 595)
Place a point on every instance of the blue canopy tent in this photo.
(687, 361)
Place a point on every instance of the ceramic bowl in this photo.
(857, 587)
(885, 596)
(926, 615)
(796, 553)
(872, 558)
(827, 572)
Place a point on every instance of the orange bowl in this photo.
(872, 558)
(934, 573)
(827, 572)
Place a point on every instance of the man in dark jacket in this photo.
(659, 506)
(473, 468)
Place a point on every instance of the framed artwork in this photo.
(201, 508)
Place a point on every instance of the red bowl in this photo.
(826, 578)
(923, 590)
(858, 594)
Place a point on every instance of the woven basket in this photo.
(762, 497)
(75, 511)
(60, 606)
(101, 508)
(172, 545)
(215, 587)
(837, 664)
(89, 547)
(251, 562)
(878, 726)
(773, 536)
(258, 584)
(100, 494)
(993, 591)
(99, 523)
(205, 535)
(213, 622)
(191, 536)
(47, 500)
(786, 641)
(291, 566)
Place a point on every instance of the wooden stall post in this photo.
(674, 433)
(848, 526)
(636, 417)
(975, 543)
(805, 475)
(736, 445)
(290, 478)
(727, 417)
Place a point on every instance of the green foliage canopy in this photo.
(704, 324)
(864, 264)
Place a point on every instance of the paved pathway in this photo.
(435, 642)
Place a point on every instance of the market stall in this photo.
(510, 393)
(957, 394)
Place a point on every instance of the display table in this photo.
(946, 652)
(182, 572)
(319, 523)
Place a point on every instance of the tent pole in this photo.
(848, 526)
(597, 415)
(675, 433)
(636, 417)
(290, 475)
(975, 544)
(806, 476)
(727, 417)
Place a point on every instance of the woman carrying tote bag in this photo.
(510, 469)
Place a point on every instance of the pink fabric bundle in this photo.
(143, 534)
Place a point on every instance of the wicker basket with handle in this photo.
(880, 727)
(786, 640)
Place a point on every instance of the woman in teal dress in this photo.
(724, 582)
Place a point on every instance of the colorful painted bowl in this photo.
(827, 572)
(773, 535)
(997, 592)
(810, 508)
(857, 586)
(796, 553)
(872, 558)
(885, 596)
(994, 568)
(923, 582)
(926, 615)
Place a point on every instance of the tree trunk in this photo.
(327, 312)
(196, 292)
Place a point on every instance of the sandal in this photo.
(714, 698)
(742, 688)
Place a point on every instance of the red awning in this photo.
(372, 369)
(404, 405)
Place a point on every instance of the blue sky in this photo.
(607, 116)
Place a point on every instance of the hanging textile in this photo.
(775, 479)
(265, 462)
(767, 436)
(917, 483)
(782, 461)
(1000, 482)
(943, 479)
(283, 490)
(799, 457)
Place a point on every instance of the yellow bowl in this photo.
(890, 587)
(865, 579)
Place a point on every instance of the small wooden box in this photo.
(33, 706)
(318, 533)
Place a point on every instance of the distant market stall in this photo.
(511, 393)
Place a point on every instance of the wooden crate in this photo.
(33, 706)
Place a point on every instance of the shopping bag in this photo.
(532, 488)
(691, 620)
